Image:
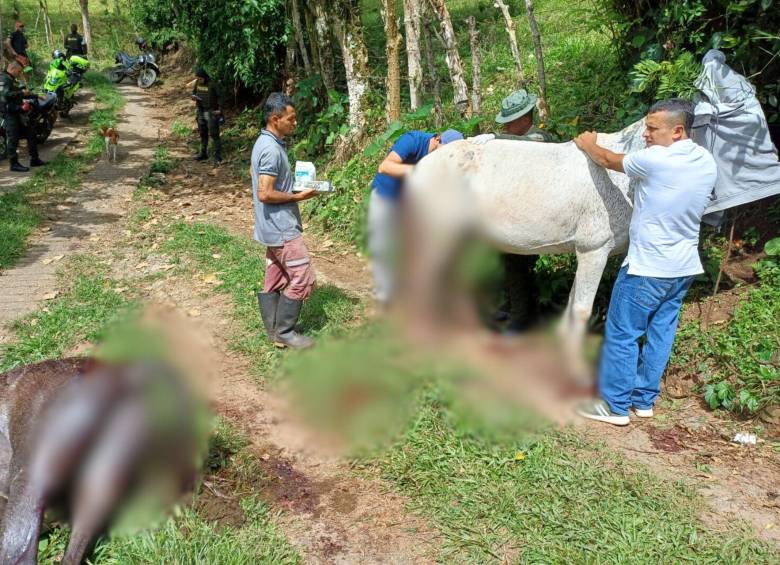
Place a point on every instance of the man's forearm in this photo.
(396, 170)
(603, 157)
(278, 197)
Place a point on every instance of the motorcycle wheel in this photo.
(116, 75)
(147, 77)
(65, 108)
(44, 128)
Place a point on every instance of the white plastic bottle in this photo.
(305, 171)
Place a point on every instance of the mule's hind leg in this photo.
(590, 267)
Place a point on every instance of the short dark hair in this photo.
(74, 28)
(680, 110)
(276, 104)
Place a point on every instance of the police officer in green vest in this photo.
(75, 44)
(520, 301)
(208, 100)
(13, 107)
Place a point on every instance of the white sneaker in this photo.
(599, 410)
(644, 412)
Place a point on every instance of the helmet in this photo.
(57, 54)
(140, 41)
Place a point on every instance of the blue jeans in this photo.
(639, 306)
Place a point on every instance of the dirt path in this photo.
(100, 202)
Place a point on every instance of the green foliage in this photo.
(740, 361)
(235, 40)
(161, 162)
(318, 130)
(667, 79)
(746, 30)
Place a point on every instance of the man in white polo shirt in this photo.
(676, 177)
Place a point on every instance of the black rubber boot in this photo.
(17, 167)
(217, 158)
(268, 302)
(37, 162)
(287, 313)
(203, 155)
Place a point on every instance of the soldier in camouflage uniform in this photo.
(519, 308)
(13, 107)
(208, 99)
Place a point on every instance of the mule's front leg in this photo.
(590, 267)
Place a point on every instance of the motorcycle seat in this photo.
(47, 102)
(125, 59)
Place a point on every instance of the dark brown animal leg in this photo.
(103, 482)
(24, 512)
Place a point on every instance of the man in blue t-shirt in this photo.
(383, 208)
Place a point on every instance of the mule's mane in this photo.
(627, 140)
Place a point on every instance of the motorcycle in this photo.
(64, 80)
(41, 118)
(142, 68)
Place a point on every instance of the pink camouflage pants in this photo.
(288, 269)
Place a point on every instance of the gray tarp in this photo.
(731, 124)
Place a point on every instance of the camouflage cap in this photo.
(516, 105)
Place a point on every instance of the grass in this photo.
(235, 266)
(19, 207)
(548, 499)
(89, 307)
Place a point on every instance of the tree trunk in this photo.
(544, 109)
(308, 19)
(349, 30)
(85, 24)
(476, 62)
(322, 34)
(432, 76)
(459, 88)
(412, 26)
(43, 7)
(510, 30)
(298, 31)
(392, 51)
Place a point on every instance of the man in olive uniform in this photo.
(208, 99)
(75, 44)
(13, 106)
(517, 117)
(16, 44)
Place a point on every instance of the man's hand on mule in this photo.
(482, 138)
(586, 139)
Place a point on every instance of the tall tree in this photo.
(392, 51)
(85, 23)
(322, 35)
(295, 15)
(412, 11)
(433, 77)
(476, 63)
(537, 39)
(459, 88)
(509, 25)
(345, 16)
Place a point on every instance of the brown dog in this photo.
(111, 138)
(87, 432)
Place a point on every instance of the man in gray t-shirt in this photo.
(289, 276)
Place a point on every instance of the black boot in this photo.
(217, 158)
(287, 313)
(17, 167)
(268, 302)
(37, 162)
(203, 155)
